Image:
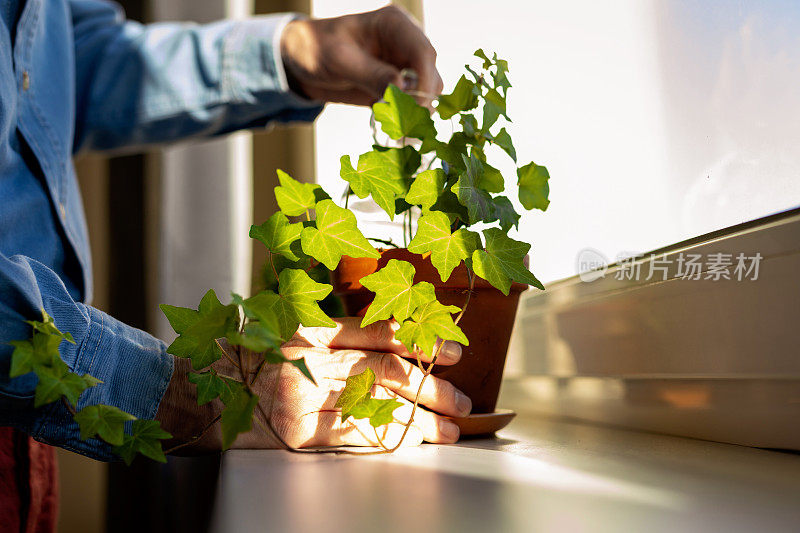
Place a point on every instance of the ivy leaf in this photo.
(145, 438)
(533, 187)
(269, 276)
(491, 180)
(461, 99)
(278, 235)
(106, 421)
(382, 173)
(294, 197)
(280, 314)
(197, 340)
(48, 326)
(503, 140)
(479, 53)
(502, 261)
(426, 188)
(447, 249)
(269, 332)
(432, 321)
(180, 318)
(395, 292)
(57, 380)
(257, 338)
(298, 297)
(336, 235)
(23, 358)
(29, 355)
(237, 417)
(401, 116)
(469, 125)
(501, 76)
(477, 201)
(505, 212)
(449, 205)
(493, 108)
(356, 389)
(209, 385)
(453, 151)
(277, 358)
(379, 412)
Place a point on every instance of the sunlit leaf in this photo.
(447, 249)
(432, 321)
(401, 116)
(335, 235)
(384, 174)
(396, 294)
(503, 261)
(278, 235)
(197, 338)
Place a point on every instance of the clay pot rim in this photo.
(417, 260)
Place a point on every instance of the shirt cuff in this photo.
(253, 69)
(135, 371)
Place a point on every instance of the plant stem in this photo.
(196, 437)
(383, 241)
(405, 232)
(413, 412)
(428, 371)
(68, 405)
(272, 263)
(471, 277)
(228, 357)
(379, 438)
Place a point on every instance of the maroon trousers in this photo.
(28, 484)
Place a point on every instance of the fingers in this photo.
(404, 44)
(329, 430)
(402, 377)
(377, 337)
(367, 72)
(325, 428)
(435, 428)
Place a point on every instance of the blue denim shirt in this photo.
(75, 75)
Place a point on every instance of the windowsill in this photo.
(539, 474)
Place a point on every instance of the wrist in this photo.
(294, 39)
(181, 416)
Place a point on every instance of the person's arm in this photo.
(142, 84)
(133, 366)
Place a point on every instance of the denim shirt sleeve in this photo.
(133, 366)
(142, 84)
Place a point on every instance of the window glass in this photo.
(658, 120)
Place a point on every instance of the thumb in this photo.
(356, 66)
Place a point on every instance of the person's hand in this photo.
(351, 59)
(303, 414)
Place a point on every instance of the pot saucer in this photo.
(484, 423)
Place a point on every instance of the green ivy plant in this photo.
(56, 382)
(453, 210)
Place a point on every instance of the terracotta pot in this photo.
(487, 322)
